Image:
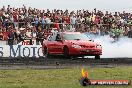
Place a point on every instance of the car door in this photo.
(51, 43)
(55, 46)
(58, 44)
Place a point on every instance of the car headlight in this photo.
(98, 46)
(76, 46)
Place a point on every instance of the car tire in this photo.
(97, 57)
(66, 52)
(45, 52)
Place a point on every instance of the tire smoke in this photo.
(115, 49)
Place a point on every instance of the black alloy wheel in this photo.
(66, 52)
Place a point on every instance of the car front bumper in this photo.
(85, 52)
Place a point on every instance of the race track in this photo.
(57, 62)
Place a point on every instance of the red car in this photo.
(71, 44)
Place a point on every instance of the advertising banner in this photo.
(21, 51)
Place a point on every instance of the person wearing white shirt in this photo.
(73, 21)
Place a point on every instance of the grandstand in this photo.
(38, 23)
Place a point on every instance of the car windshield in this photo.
(75, 37)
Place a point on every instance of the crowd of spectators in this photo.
(16, 23)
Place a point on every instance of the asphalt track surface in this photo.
(58, 62)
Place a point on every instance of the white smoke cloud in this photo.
(119, 49)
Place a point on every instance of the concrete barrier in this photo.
(3, 43)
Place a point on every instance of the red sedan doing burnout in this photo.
(71, 44)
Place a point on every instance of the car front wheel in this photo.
(66, 52)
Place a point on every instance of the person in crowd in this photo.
(36, 21)
(5, 34)
(48, 22)
(43, 21)
(1, 35)
(56, 26)
(34, 33)
(15, 36)
(73, 21)
(29, 33)
(11, 37)
(117, 31)
(21, 35)
(40, 37)
(130, 32)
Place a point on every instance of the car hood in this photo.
(82, 42)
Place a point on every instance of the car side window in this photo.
(53, 38)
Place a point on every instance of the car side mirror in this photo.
(91, 40)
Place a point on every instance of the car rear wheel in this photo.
(66, 52)
(97, 56)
